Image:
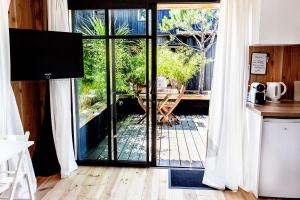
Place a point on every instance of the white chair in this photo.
(10, 179)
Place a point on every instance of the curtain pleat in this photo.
(60, 95)
(10, 121)
(225, 160)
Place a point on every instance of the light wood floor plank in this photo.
(110, 183)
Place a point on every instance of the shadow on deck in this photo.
(182, 145)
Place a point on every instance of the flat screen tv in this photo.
(38, 55)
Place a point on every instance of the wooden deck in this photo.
(131, 145)
(182, 145)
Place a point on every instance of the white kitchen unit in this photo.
(274, 143)
(276, 22)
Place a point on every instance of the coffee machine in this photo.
(257, 93)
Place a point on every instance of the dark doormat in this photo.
(187, 178)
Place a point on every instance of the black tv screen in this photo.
(38, 55)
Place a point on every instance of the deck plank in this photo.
(184, 155)
(192, 142)
(119, 127)
(127, 138)
(101, 151)
(175, 155)
(201, 148)
(201, 125)
(164, 149)
(142, 154)
(181, 145)
(158, 143)
(139, 144)
(133, 138)
(103, 146)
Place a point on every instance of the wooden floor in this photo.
(111, 183)
(182, 145)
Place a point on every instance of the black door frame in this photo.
(111, 88)
(131, 4)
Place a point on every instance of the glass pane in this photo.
(129, 22)
(186, 39)
(89, 22)
(93, 114)
(130, 68)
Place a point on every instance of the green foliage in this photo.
(199, 24)
(94, 27)
(189, 20)
(180, 65)
(129, 64)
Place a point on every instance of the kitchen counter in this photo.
(282, 109)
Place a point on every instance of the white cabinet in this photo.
(279, 174)
(272, 154)
(276, 22)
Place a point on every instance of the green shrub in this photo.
(180, 65)
(129, 64)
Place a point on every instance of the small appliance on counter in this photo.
(257, 93)
(296, 90)
(274, 91)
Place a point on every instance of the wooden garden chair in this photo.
(142, 103)
(167, 107)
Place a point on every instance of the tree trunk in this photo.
(201, 79)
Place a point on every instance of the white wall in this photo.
(278, 22)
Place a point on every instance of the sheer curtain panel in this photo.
(225, 160)
(10, 121)
(60, 95)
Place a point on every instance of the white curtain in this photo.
(224, 162)
(60, 95)
(10, 121)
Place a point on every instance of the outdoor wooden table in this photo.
(173, 94)
(169, 94)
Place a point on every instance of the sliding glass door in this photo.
(130, 82)
(93, 115)
(113, 99)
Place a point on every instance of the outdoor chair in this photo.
(142, 103)
(167, 107)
